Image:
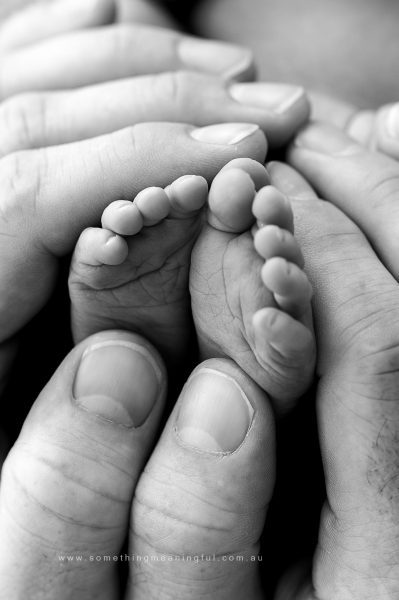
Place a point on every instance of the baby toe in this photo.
(271, 207)
(97, 247)
(271, 241)
(122, 217)
(230, 201)
(291, 287)
(287, 351)
(153, 205)
(187, 194)
(254, 169)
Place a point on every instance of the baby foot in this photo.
(132, 273)
(250, 295)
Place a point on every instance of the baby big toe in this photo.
(253, 168)
(230, 201)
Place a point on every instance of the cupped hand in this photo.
(377, 129)
(79, 473)
(69, 74)
(352, 260)
(100, 134)
(201, 501)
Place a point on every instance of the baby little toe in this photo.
(97, 247)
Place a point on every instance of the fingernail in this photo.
(119, 382)
(226, 133)
(215, 414)
(392, 121)
(275, 97)
(214, 57)
(326, 139)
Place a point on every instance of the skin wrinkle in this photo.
(171, 552)
(53, 464)
(215, 459)
(384, 189)
(189, 493)
(341, 561)
(71, 478)
(148, 509)
(34, 535)
(20, 187)
(98, 457)
(14, 114)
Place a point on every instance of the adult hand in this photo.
(353, 265)
(206, 488)
(67, 486)
(130, 74)
(375, 129)
(67, 154)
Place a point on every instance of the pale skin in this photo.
(250, 298)
(349, 77)
(337, 358)
(119, 149)
(358, 546)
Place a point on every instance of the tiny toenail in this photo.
(279, 233)
(392, 121)
(215, 57)
(119, 382)
(215, 414)
(111, 239)
(225, 133)
(326, 139)
(279, 98)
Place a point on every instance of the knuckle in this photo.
(121, 37)
(384, 189)
(23, 122)
(177, 87)
(155, 511)
(373, 362)
(20, 185)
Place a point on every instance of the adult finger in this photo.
(204, 494)
(67, 485)
(376, 129)
(364, 184)
(356, 321)
(48, 119)
(49, 196)
(142, 11)
(45, 19)
(115, 52)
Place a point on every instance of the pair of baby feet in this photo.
(226, 259)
